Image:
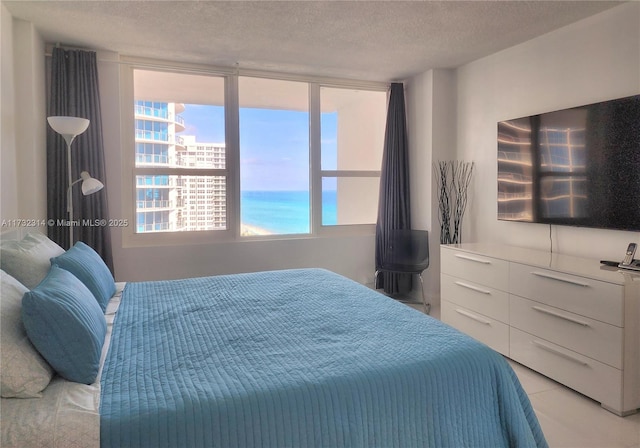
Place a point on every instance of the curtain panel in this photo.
(394, 211)
(73, 91)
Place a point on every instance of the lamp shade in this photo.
(68, 127)
(89, 184)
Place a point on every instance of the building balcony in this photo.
(144, 160)
(155, 184)
(161, 114)
(180, 144)
(151, 136)
(179, 122)
(153, 205)
(154, 113)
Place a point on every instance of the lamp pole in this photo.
(70, 128)
(69, 198)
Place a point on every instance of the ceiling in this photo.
(365, 40)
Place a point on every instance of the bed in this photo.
(292, 358)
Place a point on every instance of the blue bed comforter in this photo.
(299, 358)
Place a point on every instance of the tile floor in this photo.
(571, 420)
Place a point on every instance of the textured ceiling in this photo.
(368, 40)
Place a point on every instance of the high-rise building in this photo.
(203, 197)
(175, 202)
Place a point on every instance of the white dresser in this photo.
(568, 318)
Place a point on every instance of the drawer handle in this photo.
(477, 260)
(561, 279)
(473, 316)
(545, 347)
(474, 288)
(561, 316)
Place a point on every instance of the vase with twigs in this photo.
(453, 178)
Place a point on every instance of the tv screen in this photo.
(578, 166)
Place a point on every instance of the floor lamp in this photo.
(70, 128)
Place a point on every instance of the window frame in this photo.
(232, 164)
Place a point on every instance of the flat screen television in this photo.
(577, 166)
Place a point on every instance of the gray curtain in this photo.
(73, 91)
(394, 203)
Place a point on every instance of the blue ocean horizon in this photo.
(284, 212)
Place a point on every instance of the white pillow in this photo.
(28, 260)
(23, 372)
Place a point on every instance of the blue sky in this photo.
(274, 144)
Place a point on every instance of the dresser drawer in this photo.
(583, 335)
(599, 381)
(476, 297)
(592, 298)
(485, 329)
(476, 268)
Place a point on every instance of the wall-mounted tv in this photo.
(578, 166)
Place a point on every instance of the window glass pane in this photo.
(176, 203)
(329, 201)
(274, 156)
(179, 123)
(352, 128)
(349, 200)
(179, 120)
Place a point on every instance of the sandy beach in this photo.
(247, 230)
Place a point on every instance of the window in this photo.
(177, 118)
(274, 156)
(246, 156)
(352, 140)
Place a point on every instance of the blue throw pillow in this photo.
(85, 263)
(66, 325)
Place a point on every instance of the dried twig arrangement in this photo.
(452, 179)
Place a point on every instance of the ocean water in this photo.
(284, 212)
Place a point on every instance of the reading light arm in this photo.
(90, 185)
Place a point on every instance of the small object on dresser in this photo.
(629, 262)
(610, 263)
(633, 266)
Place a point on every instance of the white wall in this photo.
(23, 155)
(8, 192)
(593, 60)
(431, 112)
(31, 113)
(349, 256)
